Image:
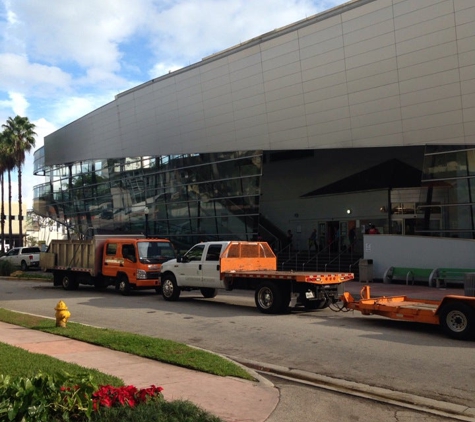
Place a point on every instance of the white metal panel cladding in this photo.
(367, 73)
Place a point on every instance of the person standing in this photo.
(312, 240)
(352, 239)
(289, 239)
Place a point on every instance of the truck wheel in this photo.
(24, 266)
(269, 298)
(170, 290)
(208, 292)
(69, 283)
(123, 285)
(458, 320)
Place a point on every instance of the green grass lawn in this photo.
(166, 351)
(17, 362)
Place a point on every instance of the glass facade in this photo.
(449, 178)
(187, 198)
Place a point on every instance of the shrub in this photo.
(46, 398)
(65, 398)
(156, 411)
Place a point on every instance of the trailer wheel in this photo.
(458, 320)
(208, 292)
(24, 266)
(69, 282)
(123, 285)
(170, 290)
(269, 298)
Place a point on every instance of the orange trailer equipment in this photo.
(455, 314)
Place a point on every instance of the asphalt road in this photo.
(371, 350)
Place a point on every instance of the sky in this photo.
(61, 59)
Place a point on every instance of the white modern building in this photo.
(361, 114)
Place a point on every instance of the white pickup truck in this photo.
(23, 257)
(229, 265)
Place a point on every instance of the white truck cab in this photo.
(198, 268)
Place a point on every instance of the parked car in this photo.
(23, 257)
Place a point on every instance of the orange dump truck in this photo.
(126, 262)
(228, 265)
(455, 314)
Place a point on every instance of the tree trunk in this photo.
(10, 230)
(2, 213)
(20, 212)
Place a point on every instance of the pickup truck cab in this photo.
(23, 257)
(197, 269)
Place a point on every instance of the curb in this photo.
(427, 405)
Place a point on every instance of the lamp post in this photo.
(146, 211)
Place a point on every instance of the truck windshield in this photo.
(155, 252)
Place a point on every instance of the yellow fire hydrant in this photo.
(62, 314)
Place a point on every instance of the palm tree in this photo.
(21, 134)
(7, 165)
(3, 169)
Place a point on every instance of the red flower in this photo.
(110, 396)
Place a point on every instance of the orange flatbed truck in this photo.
(229, 265)
(455, 314)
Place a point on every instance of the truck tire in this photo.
(269, 298)
(24, 265)
(170, 290)
(208, 292)
(457, 320)
(69, 282)
(123, 285)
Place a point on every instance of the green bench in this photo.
(407, 273)
(440, 276)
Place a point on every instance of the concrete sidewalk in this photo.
(232, 399)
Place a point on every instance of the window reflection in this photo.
(187, 195)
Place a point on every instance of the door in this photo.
(191, 267)
(210, 269)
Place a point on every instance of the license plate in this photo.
(309, 295)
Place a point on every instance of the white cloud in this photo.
(86, 32)
(19, 103)
(32, 79)
(68, 109)
(42, 128)
(190, 29)
(160, 69)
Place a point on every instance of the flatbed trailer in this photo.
(455, 314)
